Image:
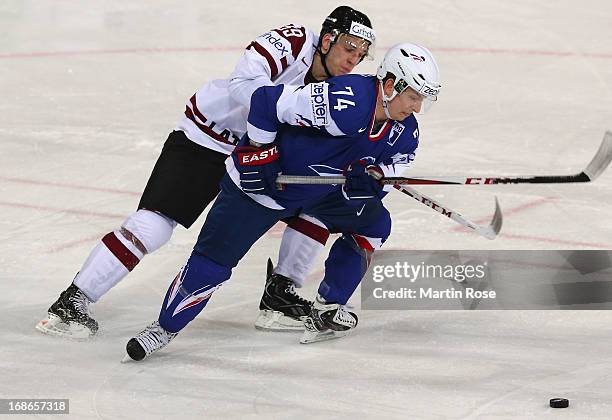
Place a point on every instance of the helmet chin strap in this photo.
(323, 61)
(324, 56)
(386, 99)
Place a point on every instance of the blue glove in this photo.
(258, 167)
(362, 181)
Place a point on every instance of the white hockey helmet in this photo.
(412, 66)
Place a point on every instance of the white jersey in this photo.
(215, 116)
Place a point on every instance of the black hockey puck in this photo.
(559, 402)
(136, 352)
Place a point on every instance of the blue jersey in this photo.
(323, 127)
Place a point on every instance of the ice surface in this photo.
(90, 91)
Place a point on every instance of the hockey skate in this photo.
(148, 341)
(69, 316)
(281, 308)
(327, 321)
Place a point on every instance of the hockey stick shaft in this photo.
(598, 164)
(489, 232)
(449, 180)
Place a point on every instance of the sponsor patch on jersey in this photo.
(278, 42)
(363, 31)
(319, 103)
(396, 131)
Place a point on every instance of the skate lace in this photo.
(80, 302)
(290, 289)
(154, 337)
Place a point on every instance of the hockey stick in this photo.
(489, 232)
(598, 164)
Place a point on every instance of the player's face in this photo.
(345, 54)
(404, 104)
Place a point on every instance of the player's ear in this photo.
(388, 86)
(326, 43)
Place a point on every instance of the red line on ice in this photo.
(62, 210)
(556, 241)
(42, 54)
(66, 185)
(515, 210)
(527, 206)
(72, 244)
(164, 50)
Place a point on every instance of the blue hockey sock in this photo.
(344, 268)
(190, 291)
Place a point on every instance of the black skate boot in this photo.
(69, 316)
(327, 321)
(281, 308)
(148, 341)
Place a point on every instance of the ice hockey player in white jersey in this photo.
(361, 126)
(186, 176)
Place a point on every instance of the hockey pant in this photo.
(236, 222)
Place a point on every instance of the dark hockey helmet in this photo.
(346, 20)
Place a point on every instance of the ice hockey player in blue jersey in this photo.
(186, 176)
(360, 126)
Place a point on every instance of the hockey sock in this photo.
(108, 263)
(344, 269)
(303, 240)
(190, 291)
(120, 251)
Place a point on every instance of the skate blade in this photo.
(53, 325)
(277, 321)
(315, 336)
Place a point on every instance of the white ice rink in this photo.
(88, 94)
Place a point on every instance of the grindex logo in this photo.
(363, 31)
(275, 42)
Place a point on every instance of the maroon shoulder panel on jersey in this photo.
(263, 52)
(296, 35)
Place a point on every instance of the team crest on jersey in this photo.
(402, 159)
(319, 104)
(396, 131)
